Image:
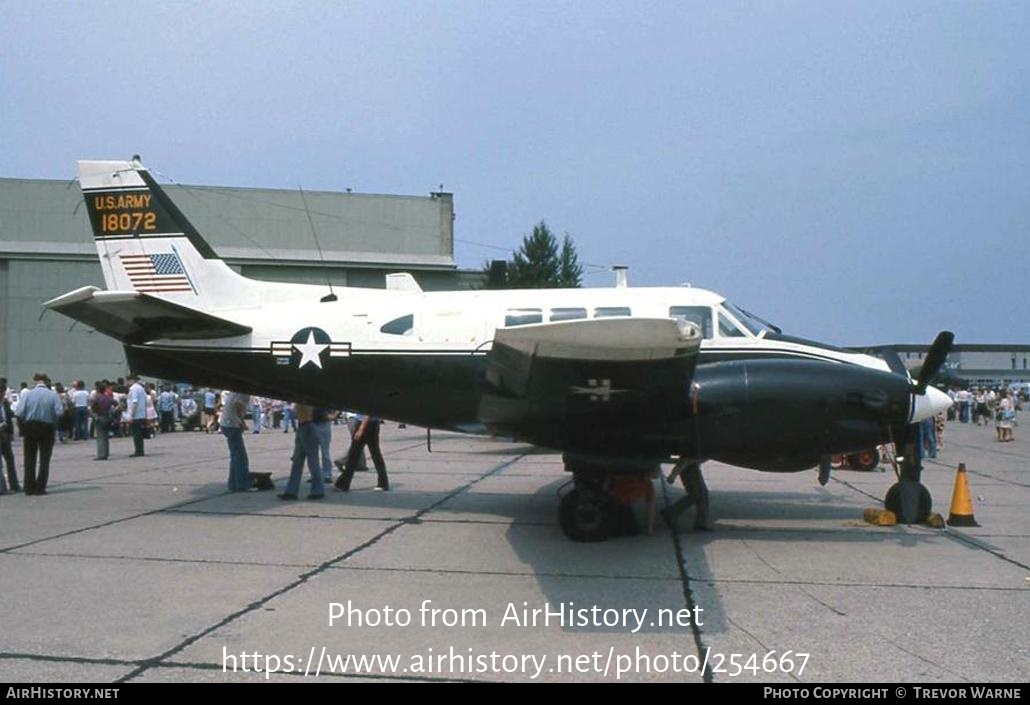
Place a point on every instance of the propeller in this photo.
(935, 359)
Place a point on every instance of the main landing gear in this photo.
(599, 505)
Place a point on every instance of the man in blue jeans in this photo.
(231, 422)
(323, 422)
(305, 446)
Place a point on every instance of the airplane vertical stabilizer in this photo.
(147, 245)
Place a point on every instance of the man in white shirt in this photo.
(80, 401)
(137, 409)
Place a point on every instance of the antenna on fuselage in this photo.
(621, 275)
(331, 296)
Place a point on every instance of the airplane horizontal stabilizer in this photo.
(132, 317)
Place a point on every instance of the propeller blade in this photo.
(935, 359)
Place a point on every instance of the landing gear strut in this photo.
(689, 473)
(908, 498)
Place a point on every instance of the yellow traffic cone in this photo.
(961, 502)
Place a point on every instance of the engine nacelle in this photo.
(784, 415)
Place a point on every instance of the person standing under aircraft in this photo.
(256, 416)
(322, 419)
(305, 446)
(137, 412)
(232, 423)
(367, 434)
(39, 410)
(353, 421)
(210, 398)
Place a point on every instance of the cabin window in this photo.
(523, 316)
(700, 316)
(567, 314)
(727, 328)
(610, 311)
(400, 326)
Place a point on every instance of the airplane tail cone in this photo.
(961, 502)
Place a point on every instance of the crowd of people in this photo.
(982, 405)
(47, 412)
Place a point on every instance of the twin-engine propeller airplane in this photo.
(619, 379)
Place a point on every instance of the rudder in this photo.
(144, 241)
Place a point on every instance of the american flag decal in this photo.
(162, 273)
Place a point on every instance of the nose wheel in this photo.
(908, 498)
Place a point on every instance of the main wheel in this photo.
(866, 460)
(585, 515)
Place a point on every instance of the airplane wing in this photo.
(132, 317)
(581, 379)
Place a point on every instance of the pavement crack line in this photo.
(981, 473)
(44, 658)
(156, 559)
(688, 594)
(925, 660)
(84, 529)
(849, 584)
(959, 537)
(305, 577)
(800, 586)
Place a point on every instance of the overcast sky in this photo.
(856, 172)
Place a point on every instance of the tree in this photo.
(539, 264)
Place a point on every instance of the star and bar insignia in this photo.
(598, 390)
(308, 346)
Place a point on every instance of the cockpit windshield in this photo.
(752, 323)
